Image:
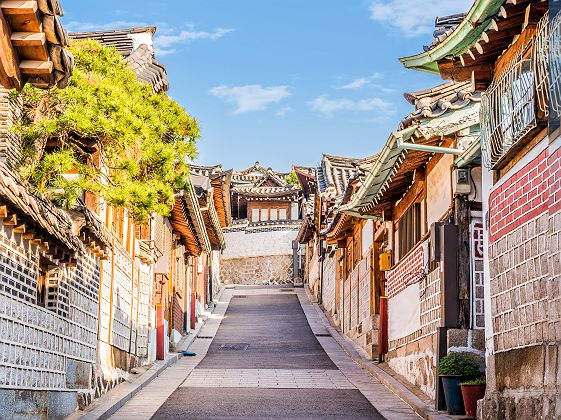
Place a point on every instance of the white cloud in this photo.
(250, 98)
(283, 112)
(361, 82)
(184, 36)
(327, 106)
(414, 18)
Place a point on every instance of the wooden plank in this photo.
(36, 67)
(31, 46)
(11, 220)
(20, 229)
(3, 212)
(18, 7)
(29, 22)
(28, 39)
(10, 76)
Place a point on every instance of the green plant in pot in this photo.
(453, 370)
(473, 391)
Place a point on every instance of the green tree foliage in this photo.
(292, 179)
(108, 134)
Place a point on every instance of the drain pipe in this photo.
(426, 148)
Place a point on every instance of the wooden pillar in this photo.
(462, 216)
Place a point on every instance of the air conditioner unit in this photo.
(461, 182)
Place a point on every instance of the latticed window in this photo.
(517, 100)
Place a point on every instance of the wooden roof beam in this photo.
(36, 67)
(18, 7)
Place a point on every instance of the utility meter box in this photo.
(386, 261)
(461, 182)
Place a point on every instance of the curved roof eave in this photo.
(460, 40)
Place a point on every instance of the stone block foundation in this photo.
(274, 269)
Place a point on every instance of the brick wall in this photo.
(521, 198)
(525, 268)
(405, 271)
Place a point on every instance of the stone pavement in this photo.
(265, 353)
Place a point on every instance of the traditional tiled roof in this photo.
(136, 46)
(434, 102)
(221, 181)
(266, 191)
(257, 175)
(444, 25)
(205, 192)
(440, 112)
(38, 213)
(335, 172)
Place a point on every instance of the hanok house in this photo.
(267, 215)
(427, 238)
(340, 252)
(33, 45)
(513, 57)
(127, 317)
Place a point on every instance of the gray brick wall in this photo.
(519, 273)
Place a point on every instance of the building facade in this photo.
(516, 68)
(266, 217)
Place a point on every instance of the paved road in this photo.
(258, 358)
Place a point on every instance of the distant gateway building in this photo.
(267, 215)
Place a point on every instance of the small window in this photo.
(264, 215)
(274, 214)
(282, 214)
(409, 229)
(255, 215)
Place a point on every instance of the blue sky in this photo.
(282, 81)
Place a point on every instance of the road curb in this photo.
(420, 407)
(116, 398)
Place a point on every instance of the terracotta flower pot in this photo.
(471, 394)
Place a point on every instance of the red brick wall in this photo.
(521, 198)
(401, 276)
(554, 162)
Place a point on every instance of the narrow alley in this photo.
(265, 354)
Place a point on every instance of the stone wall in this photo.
(274, 269)
(524, 372)
(258, 254)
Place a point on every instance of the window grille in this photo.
(554, 58)
(517, 100)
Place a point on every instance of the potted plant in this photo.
(473, 391)
(455, 369)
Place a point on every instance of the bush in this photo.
(478, 381)
(458, 364)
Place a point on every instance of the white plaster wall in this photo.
(439, 192)
(367, 235)
(259, 244)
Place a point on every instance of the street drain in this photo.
(205, 337)
(322, 335)
(240, 296)
(287, 290)
(234, 347)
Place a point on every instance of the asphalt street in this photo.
(264, 362)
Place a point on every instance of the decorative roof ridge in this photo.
(127, 31)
